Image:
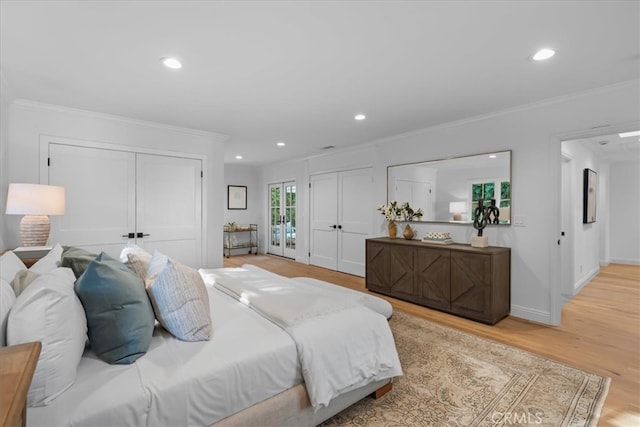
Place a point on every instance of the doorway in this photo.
(282, 219)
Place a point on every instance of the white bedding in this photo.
(341, 344)
(180, 383)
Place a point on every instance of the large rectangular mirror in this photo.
(448, 190)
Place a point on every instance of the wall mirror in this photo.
(448, 190)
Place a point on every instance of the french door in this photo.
(340, 219)
(282, 219)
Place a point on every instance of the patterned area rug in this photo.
(452, 378)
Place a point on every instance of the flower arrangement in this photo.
(393, 211)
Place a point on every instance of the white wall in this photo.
(625, 212)
(29, 120)
(586, 237)
(250, 177)
(533, 133)
(5, 101)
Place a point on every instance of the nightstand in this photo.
(31, 254)
(17, 365)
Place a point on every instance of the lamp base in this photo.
(34, 230)
(479, 241)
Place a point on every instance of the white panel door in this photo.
(354, 217)
(100, 197)
(169, 207)
(324, 220)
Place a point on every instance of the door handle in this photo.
(129, 236)
(141, 235)
(333, 226)
(339, 227)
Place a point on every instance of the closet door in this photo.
(112, 195)
(354, 219)
(100, 197)
(341, 213)
(324, 221)
(169, 206)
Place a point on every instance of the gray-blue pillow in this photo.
(120, 319)
(77, 259)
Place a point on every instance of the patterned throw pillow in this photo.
(179, 298)
(137, 259)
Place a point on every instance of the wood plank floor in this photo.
(600, 329)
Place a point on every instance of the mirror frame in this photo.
(462, 157)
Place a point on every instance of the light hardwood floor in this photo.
(600, 329)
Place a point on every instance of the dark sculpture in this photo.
(493, 213)
(480, 221)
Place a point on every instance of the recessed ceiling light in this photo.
(543, 54)
(629, 134)
(172, 63)
(360, 117)
(238, 157)
(492, 156)
(280, 144)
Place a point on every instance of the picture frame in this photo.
(590, 179)
(236, 197)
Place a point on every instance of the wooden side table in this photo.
(17, 365)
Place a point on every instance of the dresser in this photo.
(470, 282)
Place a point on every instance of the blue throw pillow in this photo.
(120, 319)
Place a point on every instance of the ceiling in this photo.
(298, 71)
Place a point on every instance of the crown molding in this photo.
(504, 112)
(111, 117)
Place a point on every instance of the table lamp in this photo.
(457, 209)
(35, 202)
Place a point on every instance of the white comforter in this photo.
(341, 344)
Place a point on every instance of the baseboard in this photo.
(625, 261)
(586, 279)
(531, 314)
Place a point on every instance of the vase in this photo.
(408, 232)
(393, 229)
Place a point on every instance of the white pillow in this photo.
(49, 311)
(7, 299)
(48, 262)
(10, 264)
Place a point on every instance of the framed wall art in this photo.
(236, 197)
(589, 198)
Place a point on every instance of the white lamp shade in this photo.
(457, 207)
(35, 199)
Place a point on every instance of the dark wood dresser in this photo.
(456, 278)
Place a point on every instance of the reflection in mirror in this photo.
(448, 190)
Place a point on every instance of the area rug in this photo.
(452, 378)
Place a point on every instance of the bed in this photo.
(250, 373)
